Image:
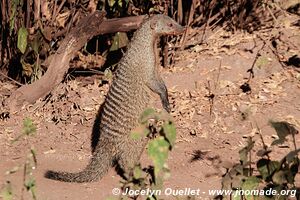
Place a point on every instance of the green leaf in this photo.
(30, 183)
(28, 127)
(261, 62)
(22, 39)
(279, 177)
(33, 153)
(247, 171)
(108, 73)
(283, 129)
(6, 193)
(27, 68)
(139, 132)
(126, 2)
(36, 43)
(159, 180)
(12, 19)
(292, 155)
(151, 198)
(250, 184)
(120, 40)
(137, 172)
(170, 132)
(31, 186)
(293, 170)
(237, 197)
(120, 3)
(266, 167)
(279, 188)
(245, 151)
(239, 169)
(233, 178)
(146, 115)
(158, 150)
(167, 173)
(111, 3)
(263, 152)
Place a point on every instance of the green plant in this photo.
(29, 183)
(29, 180)
(268, 179)
(29, 128)
(6, 192)
(22, 39)
(161, 129)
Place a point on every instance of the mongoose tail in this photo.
(93, 171)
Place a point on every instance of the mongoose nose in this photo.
(180, 29)
(183, 28)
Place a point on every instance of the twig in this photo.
(273, 16)
(28, 15)
(24, 180)
(37, 10)
(192, 12)
(191, 15)
(218, 76)
(210, 97)
(273, 51)
(180, 12)
(16, 82)
(54, 9)
(90, 71)
(58, 10)
(172, 7)
(251, 75)
(265, 147)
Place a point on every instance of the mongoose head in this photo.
(164, 25)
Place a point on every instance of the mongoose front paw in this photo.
(166, 106)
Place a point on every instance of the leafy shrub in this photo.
(276, 178)
(163, 132)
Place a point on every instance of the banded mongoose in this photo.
(135, 79)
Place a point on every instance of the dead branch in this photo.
(120, 24)
(87, 28)
(59, 65)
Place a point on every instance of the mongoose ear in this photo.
(153, 24)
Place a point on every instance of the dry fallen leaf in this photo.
(62, 18)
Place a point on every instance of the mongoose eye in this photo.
(170, 25)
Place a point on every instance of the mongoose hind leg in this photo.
(157, 85)
(130, 154)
